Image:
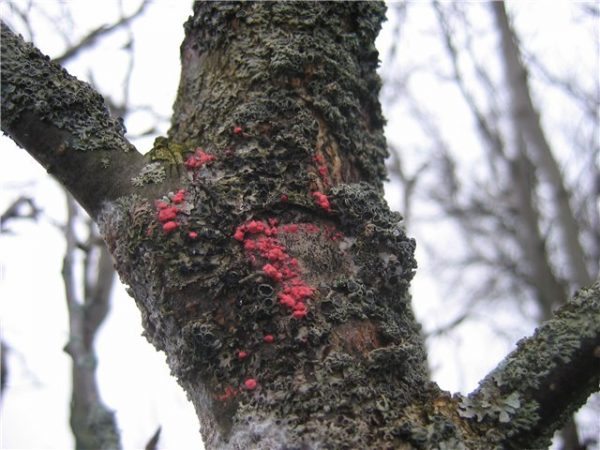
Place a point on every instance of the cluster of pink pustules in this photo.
(264, 249)
(261, 245)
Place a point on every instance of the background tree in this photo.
(540, 201)
(88, 292)
(321, 199)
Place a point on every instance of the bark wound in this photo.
(356, 337)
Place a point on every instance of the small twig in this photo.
(91, 38)
(16, 211)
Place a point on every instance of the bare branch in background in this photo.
(536, 248)
(102, 31)
(22, 208)
(409, 181)
(153, 442)
(93, 424)
(588, 102)
(3, 367)
(593, 9)
(23, 16)
(527, 119)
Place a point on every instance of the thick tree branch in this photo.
(65, 125)
(546, 379)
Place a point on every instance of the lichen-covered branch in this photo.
(272, 277)
(546, 379)
(64, 124)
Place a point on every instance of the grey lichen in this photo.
(31, 83)
(550, 374)
(308, 71)
(500, 409)
(150, 173)
(212, 308)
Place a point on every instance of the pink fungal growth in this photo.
(319, 159)
(310, 228)
(287, 300)
(269, 338)
(322, 200)
(255, 227)
(290, 228)
(260, 241)
(242, 354)
(322, 169)
(237, 130)
(170, 226)
(276, 254)
(299, 314)
(272, 272)
(239, 233)
(179, 197)
(250, 384)
(198, 159)
(168, 213)
(228, 394)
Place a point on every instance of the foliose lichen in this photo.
(306, 74)
(150, 173)
(32, 83)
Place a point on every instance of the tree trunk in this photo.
(266, 264)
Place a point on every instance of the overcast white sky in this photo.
(134, 378)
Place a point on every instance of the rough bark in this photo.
(548, 376)
(65, 125)
(268, 267)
